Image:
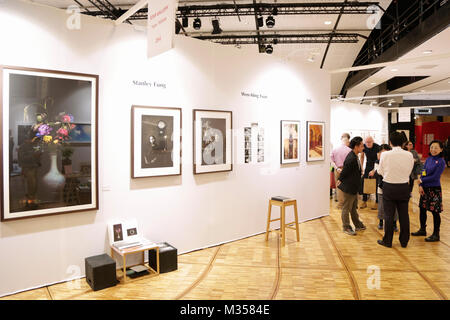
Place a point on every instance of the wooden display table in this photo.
(124, 252)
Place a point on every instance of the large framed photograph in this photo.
(212, 141)
(290, 141)
(41, 161)
(315, 133)
(156, 141)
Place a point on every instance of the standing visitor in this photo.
(417, 169)
(338, 156)
(383, 148)
(370, 153)
(349, 182)
(431, 191)
(395, 167)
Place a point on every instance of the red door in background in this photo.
(429, 131)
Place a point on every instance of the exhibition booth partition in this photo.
(192, 143)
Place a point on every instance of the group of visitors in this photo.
(395, 167)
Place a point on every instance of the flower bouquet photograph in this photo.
(44, 114)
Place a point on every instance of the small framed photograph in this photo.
(155, 142)
(290, 141)
(212, 141)
(118, 232)
(315, 132)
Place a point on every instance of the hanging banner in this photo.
(161, 26)
(404, 115)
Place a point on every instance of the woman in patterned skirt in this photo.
(430, 190)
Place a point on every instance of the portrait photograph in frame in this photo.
(155, 142)
(212, 141)
(39, 110)
(315, 132)
(290, 141)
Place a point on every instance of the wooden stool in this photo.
(283, 204)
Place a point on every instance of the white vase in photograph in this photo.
(54, 180)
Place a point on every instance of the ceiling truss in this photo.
(106, 10)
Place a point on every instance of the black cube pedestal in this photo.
(168, 258)
(100, 272)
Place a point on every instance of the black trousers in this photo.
(396, 196)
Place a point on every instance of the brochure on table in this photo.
(123, 233)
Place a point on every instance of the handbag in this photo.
(370, 186)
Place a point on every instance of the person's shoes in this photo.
(362, 227)
(420, 232)
(374, 208)
(380, 225)
(364, 205)
(432, 238)
(381, 243)
(350, 232)
(404, 245)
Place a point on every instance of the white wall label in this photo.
(160, 26)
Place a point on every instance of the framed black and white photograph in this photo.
(290, 141)
(315, 131)
(44, 148)
(212, 141)
(156, 141)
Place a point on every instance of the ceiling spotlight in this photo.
(327, 22)
(269, 49)
(185, 22)
(427, 52)
(394, 70)
(270, 22)
(311, 59)
(260, 21)
(275, 11)
(216, 27)
(373, 83)
(197, 24)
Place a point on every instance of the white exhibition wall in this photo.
(188, 211)
(358, 120)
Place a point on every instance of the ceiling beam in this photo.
(131, 11)
(262, 39)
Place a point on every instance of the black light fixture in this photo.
(197, 23)
(275, 11)
(185, 22)
(262, 48)
(260, 21)
(269, 49)
(216, 27)
(177, 26)
(270, 22)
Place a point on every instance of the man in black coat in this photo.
(349, 182)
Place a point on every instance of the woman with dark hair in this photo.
(431, 191)
(417, 169)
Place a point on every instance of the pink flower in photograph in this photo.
(62, 132)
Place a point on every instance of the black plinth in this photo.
(168, 258)
(100, 272)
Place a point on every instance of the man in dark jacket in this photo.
(349, 182)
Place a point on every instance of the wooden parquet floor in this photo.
(325, 264)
